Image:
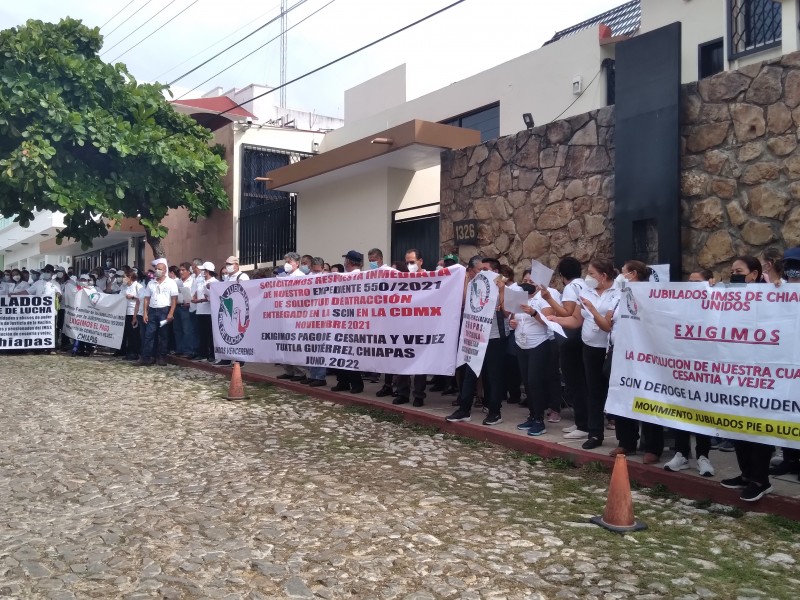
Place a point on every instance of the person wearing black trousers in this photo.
(598, 302)
(753, 458)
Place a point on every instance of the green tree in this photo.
(82, 137)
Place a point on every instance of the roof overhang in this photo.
(413, 146)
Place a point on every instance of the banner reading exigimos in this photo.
(717, 360)
(382, 320)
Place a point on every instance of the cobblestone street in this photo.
(117, 482)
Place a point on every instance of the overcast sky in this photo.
(464, 40)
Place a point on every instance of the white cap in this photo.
(208, 266)
(160, 261)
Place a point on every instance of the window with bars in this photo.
(753, 26)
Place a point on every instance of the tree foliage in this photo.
(82, 137)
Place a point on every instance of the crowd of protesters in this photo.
(168, 312)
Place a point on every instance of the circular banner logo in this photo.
(233, 317)
(478, 293)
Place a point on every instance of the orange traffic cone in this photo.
(236, 388)
(618, 515)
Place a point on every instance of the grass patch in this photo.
(782, 524)
(595, 467)
(702, 504)
(560, 464)
(429, 430)
(467, 441)
(661, 491)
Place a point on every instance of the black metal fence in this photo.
(753, 25)
(267, 218)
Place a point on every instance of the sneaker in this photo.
(592, 443)
(726, 446)
(526, 425)
(715, 442)
(458, 416)
(555, 417)
(755, 491)
(777, 458)
(735, 483)
(493, 420)
(704, 467)
(570, 429)
(678, 463)
(576, 434)
(537, 428)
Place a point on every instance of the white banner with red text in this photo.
(382, 320)
(480, 306)
(95, 318)
(723, 361)
(27, 322)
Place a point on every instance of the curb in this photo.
(686, 486)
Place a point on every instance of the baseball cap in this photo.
(208, 266)
(354, 256)
(232, 260)
(792, 253)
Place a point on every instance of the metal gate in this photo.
(418, 231)
(267, 218)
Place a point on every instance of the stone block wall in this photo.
(544, 193)
(740, 180)
(549, 192)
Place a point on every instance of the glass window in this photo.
(710, 59)
(486, 120)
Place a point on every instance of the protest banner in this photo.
(480, 306)
(27, 322)
(95, 318)
(719, 360)
(381, 320)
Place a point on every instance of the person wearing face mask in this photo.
(232, 271)
(753, 458)
(305, 263)
(403, 382)
(772, 265)
(350, 381)
(570, 348)
(131, 338)
(493, 362)
(45, 285)
(101, 281)
(117, 281)
(291, 266)
(598, 302)
(536, 355)
(35, 275)
(159, 309)
(207, 276)
(185, 335)
(627, 429)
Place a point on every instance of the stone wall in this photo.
(545, 193)
(549, 192)
(740, 180)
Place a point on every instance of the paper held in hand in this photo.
(541, 274)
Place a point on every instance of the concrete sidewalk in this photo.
(784, 500)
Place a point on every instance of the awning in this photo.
(413, 146)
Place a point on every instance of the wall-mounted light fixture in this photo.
(382, 140)
(528, 118)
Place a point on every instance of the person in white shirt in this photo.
(159, 309)
(18, 287)
(131, 340)
(291, 268)
(208, 275)
(598, 302)
(536, 356)
(46, 284)
(116, 281)
(184, 326)
(232, 272)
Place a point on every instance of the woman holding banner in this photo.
(753, 458)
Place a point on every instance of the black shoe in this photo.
(400, 400)
(302, 380)
(384, 391)
(493, 419)
(784, 468)
(418, 402)
(458, 416)
(341, 387)
(735, 483)
(450, 391)
(285, 376)
(298, 378)
(592, 443)
(357, 390)
(316, 383)
(755, 491)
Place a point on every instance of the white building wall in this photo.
(347, 215)
(20, 245)
(539, 82)
(375, 95)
